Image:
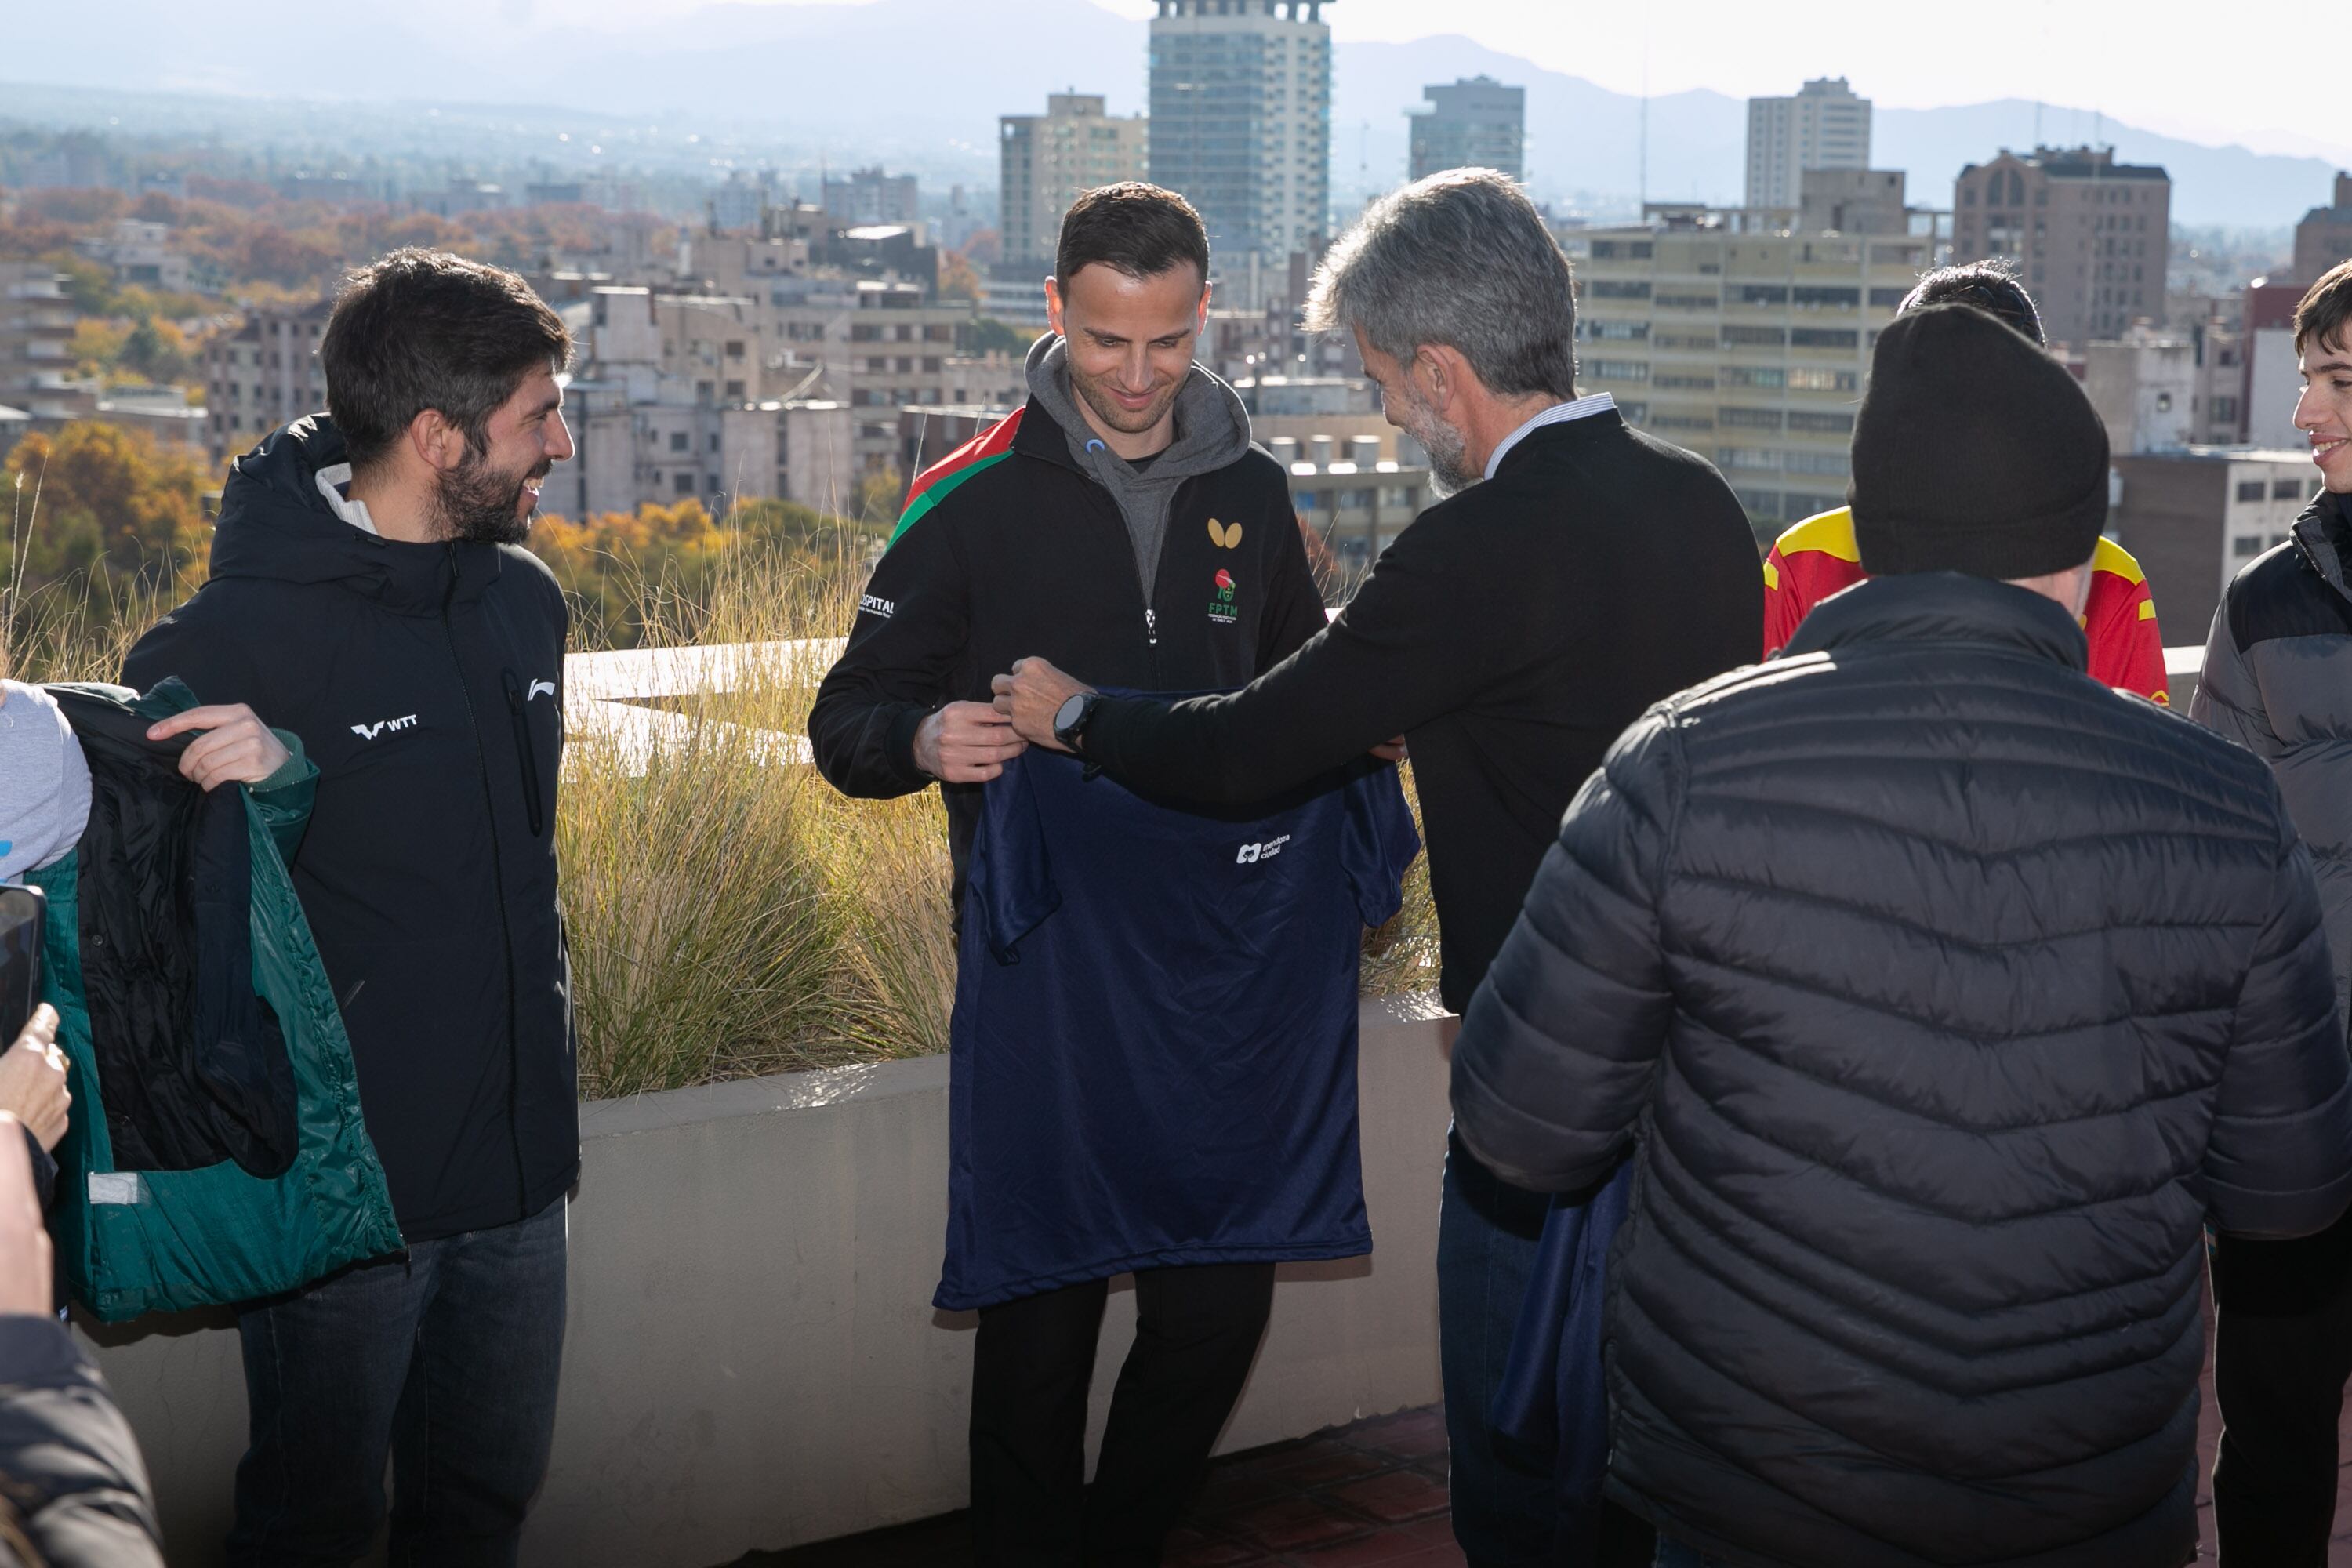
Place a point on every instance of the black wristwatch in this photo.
(1070, 718)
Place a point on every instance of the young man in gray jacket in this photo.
(2278, 680)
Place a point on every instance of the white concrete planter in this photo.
(752, 1360)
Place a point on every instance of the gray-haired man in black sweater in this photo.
(1579, 571)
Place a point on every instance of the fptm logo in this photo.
(1221, 608)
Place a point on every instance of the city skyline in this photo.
(2039, 52)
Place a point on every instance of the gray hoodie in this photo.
(1213, 431)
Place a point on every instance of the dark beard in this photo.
(479, 505)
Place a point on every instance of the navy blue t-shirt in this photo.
(1154, 1043)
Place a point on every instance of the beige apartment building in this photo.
(2090, 236)
(37, 327)
(264, 375)
(1750, 348)
(1047, 160)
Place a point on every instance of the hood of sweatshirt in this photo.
(1213, 432)
(277, 523)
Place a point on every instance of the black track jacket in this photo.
(426, 683)
(1029, 555)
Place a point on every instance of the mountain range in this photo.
(918, 84)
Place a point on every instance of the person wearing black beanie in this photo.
(1974, 451)
(1942, 995)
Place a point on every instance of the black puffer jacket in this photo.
(73, 1477)
(2278, 680)
(1948, 994)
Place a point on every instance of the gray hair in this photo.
(1461, 259)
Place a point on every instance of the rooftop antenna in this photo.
(1646, 114)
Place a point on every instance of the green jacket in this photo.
(134, 1242)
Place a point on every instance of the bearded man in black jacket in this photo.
(368, 591)
(1581, 571)
(1093, 523)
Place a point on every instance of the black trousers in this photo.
(2281, 1351)
(1197, 1329)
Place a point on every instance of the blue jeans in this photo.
(1675, 1554)
(1505, 1500)
(445, 1361)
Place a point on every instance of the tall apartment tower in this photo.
(1048, 160)
(1241, 124)
(1825, 126)
(1476, 123)
(2089, 235)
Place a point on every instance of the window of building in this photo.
(735, 389)
(1620, 370)
(1818, 297)
(1619, 289)
(1632, 332)
(1763, 294)
(2246, 544)
(1751, 418)
(1824, 423)
(1805, 379)
(1822, 338)
(678, 440)
(1687, 302)
(734, 348)
(1754, 337)
(682, 484)
(714, 441)
(1769, 377)
(2286, 489)
(2250, 490)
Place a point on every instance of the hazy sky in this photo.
(2186, 69)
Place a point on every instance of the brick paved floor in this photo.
(1373, 1493)
(1370, 1493)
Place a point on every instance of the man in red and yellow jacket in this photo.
(1818, 558)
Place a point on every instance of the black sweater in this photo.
(1511, 633)
(1028, 555)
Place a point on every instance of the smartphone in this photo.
(24, 917)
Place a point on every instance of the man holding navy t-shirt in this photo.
(1097, 524)
(1581, 572)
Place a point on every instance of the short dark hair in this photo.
(423, 329)
(1139, 229)
(1989, 286)
(2324, 309)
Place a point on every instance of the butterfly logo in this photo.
(1224, 535)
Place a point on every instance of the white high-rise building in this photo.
(1825, 126)
(1241, 124)
(1047, 161)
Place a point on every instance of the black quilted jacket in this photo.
(1945, 995)
(2278, 680)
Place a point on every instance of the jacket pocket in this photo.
(517, 709)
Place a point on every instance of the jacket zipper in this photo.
(497, 886)
(518, 706)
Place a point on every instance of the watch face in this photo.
(1068, 713)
